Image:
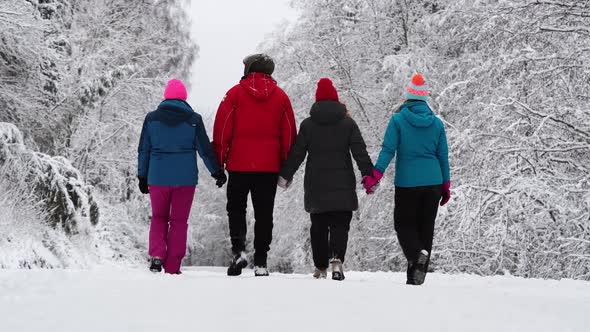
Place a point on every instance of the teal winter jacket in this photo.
(418, 136)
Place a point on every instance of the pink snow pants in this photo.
(171, 206)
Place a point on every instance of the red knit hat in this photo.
(175, 90)
(326, 91)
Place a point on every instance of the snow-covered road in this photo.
(204, 299)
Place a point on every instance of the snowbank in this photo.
(47, 212)
(53, 180)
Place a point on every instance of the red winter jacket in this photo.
(254, 127)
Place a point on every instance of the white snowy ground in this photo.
(204, 299)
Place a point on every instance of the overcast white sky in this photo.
(227, 31)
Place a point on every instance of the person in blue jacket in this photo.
(167, 171)
(422, 175)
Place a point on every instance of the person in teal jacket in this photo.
(422, 175)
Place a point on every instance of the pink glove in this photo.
(446, 193)
(371, 182)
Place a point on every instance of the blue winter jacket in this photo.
(418, 136)
(170, 138)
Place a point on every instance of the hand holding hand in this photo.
(220, 178)
(371, 182)
(284, 183)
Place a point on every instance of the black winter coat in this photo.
(329, 136)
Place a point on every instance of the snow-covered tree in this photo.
(507, 78)
(77, 78)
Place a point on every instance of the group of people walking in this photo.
(255, 140)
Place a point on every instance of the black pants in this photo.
(414, 214)
(263, 188)
(329, 236)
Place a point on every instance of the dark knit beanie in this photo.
(258, 63)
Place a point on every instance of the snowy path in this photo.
(204, 299)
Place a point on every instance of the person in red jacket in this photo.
(253, 134)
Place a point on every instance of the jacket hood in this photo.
(258, 85)
(418, 114)
(327, 112)
(174, 111)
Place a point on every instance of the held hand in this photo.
(372, 189)
(368, 183)
(371, 182)
(284, 183)
(220, 178)
(446, 193)
(143, 185)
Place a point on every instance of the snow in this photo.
(204, 299)
(9, 134)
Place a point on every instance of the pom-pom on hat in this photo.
(326, 90)
(175, 89)
(417, 89)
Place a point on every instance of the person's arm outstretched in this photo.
(358, 148)
(288, 130)
(205, 150)
(389, 147)
(295, 158)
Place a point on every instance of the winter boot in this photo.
(237, 264)
(337, 272)
(260, 271)
(320, 273)
(420, 268)
(410, 273)
(155, 264)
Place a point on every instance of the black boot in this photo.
(410, 273)
(337, 271)
(420, 268)
(237, 264)
(155, 264)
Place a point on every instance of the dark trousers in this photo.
(263, 188)
(329, 236)
(414, 214)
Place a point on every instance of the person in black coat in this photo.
(329, 136)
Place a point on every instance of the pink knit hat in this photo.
(175, 90)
